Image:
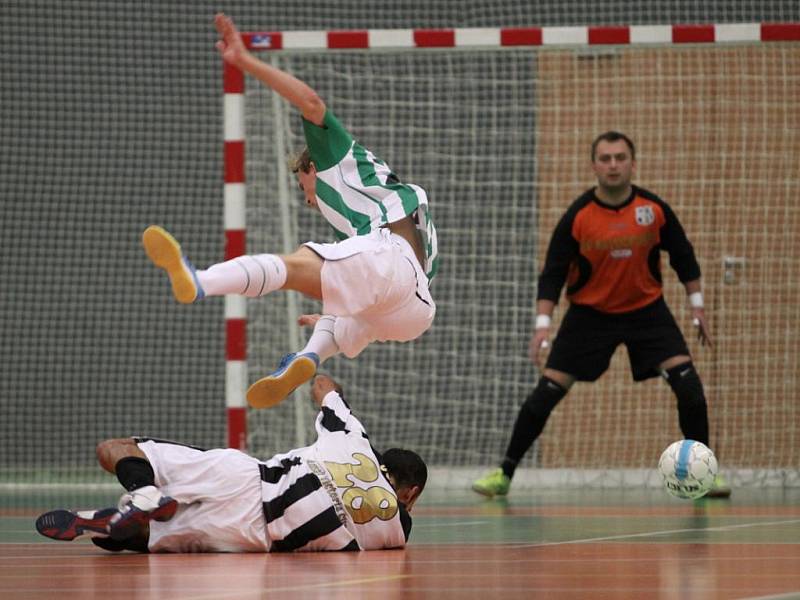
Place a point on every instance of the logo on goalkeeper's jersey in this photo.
(645, 215)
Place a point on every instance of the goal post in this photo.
(496, 125)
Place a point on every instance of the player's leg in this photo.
(371, 290)
(219, 491)
(144, 501)
(257, 275)
(656, 347)
(531, 419)
(581, 351)
(251, 275)
(682, 377)
(120, 456)
(297, 368)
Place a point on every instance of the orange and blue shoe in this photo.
(138, 508)
(293, 371)
(66, 525)
(165, 253)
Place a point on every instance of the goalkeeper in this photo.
(337, 494)
(606, 248)
(373, 283)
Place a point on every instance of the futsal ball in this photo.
(688, 469)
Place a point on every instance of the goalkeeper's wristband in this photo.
(543, 322)
(696, 299)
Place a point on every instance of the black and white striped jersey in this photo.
(332, 495)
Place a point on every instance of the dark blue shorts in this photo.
(588, 338)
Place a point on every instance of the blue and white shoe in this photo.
(66, 525)
(165, 252)
(293, 371)
(138, 508)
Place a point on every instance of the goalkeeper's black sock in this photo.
(692, 409)
(531, 421)
(134, 473)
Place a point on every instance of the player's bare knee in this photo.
(109, 452)
(565, 380)
(104, 451)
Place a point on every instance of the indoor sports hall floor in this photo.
(545, 544)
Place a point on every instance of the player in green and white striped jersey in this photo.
(373, 283)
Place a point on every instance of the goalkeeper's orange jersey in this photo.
(609, 256)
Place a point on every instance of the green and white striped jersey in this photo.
(358, 193)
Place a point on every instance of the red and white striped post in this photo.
(524, 36)
(235, 242)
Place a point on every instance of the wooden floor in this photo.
(546, 544)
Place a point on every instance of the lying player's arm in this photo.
(334, 415)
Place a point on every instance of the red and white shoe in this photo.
(66, 525)
(138, 508)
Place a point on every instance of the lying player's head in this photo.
(303, 167)
(408, 473)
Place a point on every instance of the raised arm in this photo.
(297, 92)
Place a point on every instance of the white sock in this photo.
(251, 276)
(322, 342)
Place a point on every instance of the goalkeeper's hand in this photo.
(701, 325)
(539, 341)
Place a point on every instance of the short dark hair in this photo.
(301, 162)
(406, 467)
(613, 136)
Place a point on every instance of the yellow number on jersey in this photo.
(365, 505)
(362, 504)
(365, 470)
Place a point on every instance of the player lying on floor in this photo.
(336, 494)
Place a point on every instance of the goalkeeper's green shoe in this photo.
(495, 483)
(720, 488)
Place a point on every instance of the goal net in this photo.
(96, 348)
(500, 139)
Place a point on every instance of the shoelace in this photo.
(285, 360)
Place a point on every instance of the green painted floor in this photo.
(524, 517)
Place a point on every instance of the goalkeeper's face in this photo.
(613, 165)
(307, 180)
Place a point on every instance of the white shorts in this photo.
(219, 500)
(376, 288)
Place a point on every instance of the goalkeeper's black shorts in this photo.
(588, 338)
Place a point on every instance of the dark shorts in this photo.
(588, 338)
